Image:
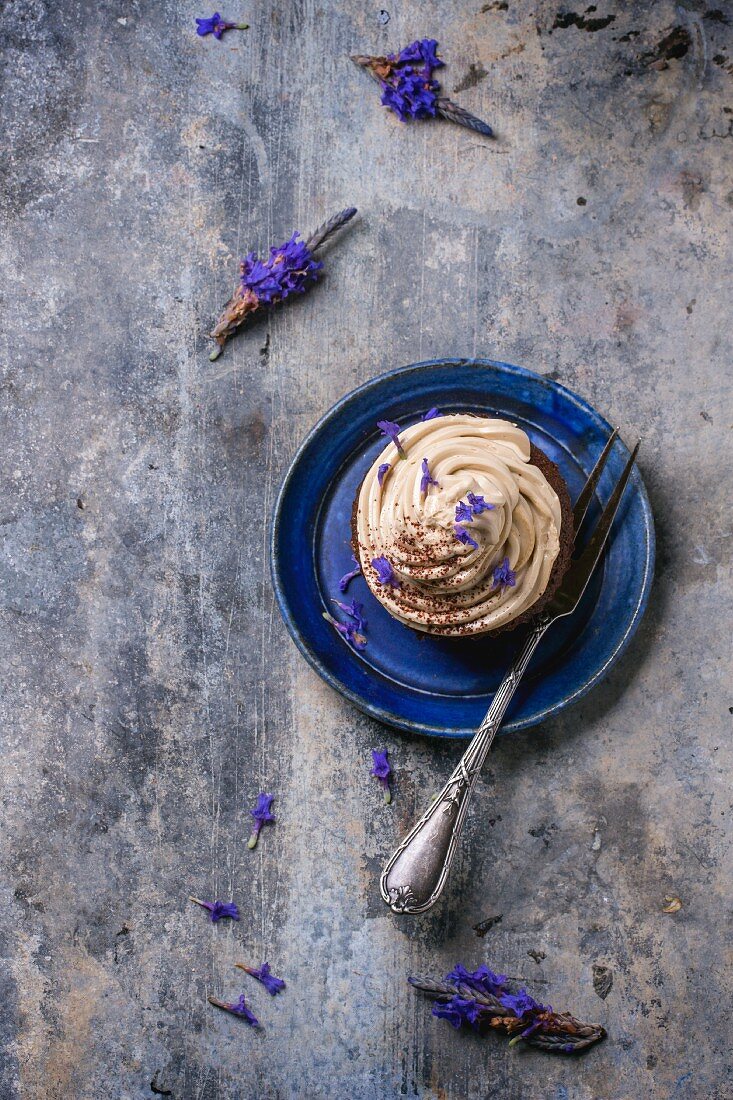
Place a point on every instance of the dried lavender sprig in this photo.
(445, 107)
(321, 235)
(443, 991)
(554, 1032)
(453, 113)
(290, 269)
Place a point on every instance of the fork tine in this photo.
(587, 561)
(586, 493)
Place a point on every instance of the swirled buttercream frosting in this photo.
(468, 524)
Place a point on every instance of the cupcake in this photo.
(461, 526)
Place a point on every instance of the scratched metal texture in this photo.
(149, 687)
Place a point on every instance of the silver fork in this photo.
(415, 875)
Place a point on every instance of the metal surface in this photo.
(149, 686)
(414, 877)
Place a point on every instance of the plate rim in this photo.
(386, 716)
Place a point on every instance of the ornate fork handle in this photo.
(416, 873)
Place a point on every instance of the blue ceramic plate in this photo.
(443, 686)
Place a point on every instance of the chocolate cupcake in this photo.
(462, 526)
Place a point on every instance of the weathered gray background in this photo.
(149, 686)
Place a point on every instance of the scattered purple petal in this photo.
(504, 577)
(478, 504)
(463, 536)
(262, 816)
(431, 414)
(392, 430)
(426, 479)
(237, 1008)
(348, 577)
(218, 909)
(382, 471)
(354, 611)
(263, 974)
(216, 25)
(349, 631)
(464, 512)
(382, 771)
(385, 572)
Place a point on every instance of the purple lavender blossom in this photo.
(382, 771)
(218, 909)
(237, 1008)
(410, 96)
(426, 478)
(290, 269)
(354, 611)
(216, 25)
(409, 92)
(384, 571)
(504, 577)
(478, 504)
(464, 512)
(348, 577)
(392, 430)
(431, 414)
(521, 1002)
(457, 1011)
(263, 974)
(463, 536)
(349, 631)
(262, 816)
(425, 50)
(382, 472)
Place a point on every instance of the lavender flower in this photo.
(353, 632)
(431, 414)
(464, 512)
(463, 536)
(216, 25)
(426, 478)
(392, 430)
(504, 577)
(348, 577)
(263, 974)
(354, 611)
(218, 909)
(385, 572)
(262, 816)
(408, 87)
(382, 471)
(382, 771)
(349, 631)
(410, 95)
(521, 1003)
(289, 269)
(408, 91)
(423, 50)
(457, 1011)
(237, 1008)
(478, 504)
(483, 997)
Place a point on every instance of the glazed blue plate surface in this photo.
(441, 686)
